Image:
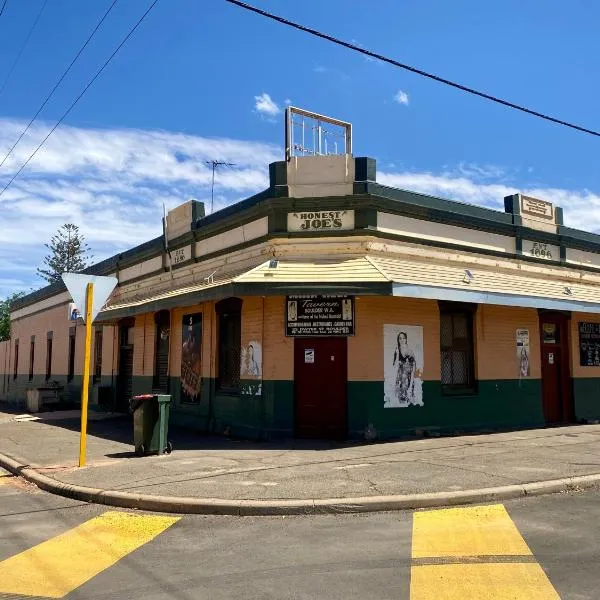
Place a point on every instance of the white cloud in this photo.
(112, 183)
(401, 97)
(265, 105)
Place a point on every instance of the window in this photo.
(229, 313)
(160, 381)
(71, 366)
(16, 365)
(31, 356)
(49, 355)
(97, 374)
(456, 342)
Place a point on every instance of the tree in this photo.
(5, 315)
(68, 253)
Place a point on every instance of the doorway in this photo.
(125, 374)
(320, 381)
(557, 398)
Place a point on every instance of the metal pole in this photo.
(212, 190)
(85, 388)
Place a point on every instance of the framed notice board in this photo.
(314, 316)
(589, 344)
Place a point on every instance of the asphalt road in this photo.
(546, 547)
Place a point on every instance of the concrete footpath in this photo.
(209, 474)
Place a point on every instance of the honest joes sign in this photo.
(319, 316)
(324, 220)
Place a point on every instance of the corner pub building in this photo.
(331, 306)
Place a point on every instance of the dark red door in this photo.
(320, 376)
(556, 378)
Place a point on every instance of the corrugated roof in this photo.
(359, 269)
(409, 276)
(452, 276)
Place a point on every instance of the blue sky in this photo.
(204, 79)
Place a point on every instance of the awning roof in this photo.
(382, 275)
(438, 281)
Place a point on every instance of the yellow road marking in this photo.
(464, 542)
(5, 477)
(56, 567)
(472, 531)
(495, 581)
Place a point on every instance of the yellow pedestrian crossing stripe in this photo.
(56, 567)
(473, 553)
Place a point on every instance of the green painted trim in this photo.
(365, 169)
(365, 218)
(586, 398)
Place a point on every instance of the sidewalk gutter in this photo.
(219, 506)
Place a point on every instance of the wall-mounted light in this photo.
(468, 276)
(273, 263)
(568, 291)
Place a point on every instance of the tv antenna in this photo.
(215, 164)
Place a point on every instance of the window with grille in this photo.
(97, 374)
(456, 345)
(48, 355)
(16, 364)
(71, 363)
(160, 381)
(229, 314)
(31, 357)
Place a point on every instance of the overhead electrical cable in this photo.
(60, 79)
(20, 53)
(406, 67)
(81, 94)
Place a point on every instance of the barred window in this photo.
(229, 313)
(71, 361)
(49, 336)
(456, 345)
(97, 373)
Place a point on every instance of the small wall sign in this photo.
(537, 208)
(181, 255)
(326, 220)
(309, 356)
(319, 316)
(540, 250)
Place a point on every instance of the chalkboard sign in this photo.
(589, 344)
(319, 316)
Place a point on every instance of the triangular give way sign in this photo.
(77, 285)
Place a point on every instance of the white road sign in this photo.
(77, 284)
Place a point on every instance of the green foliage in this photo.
(69, 253)
(5, 315)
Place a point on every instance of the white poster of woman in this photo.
(403, 365)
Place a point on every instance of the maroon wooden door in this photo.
(320, 376)
(556, 378)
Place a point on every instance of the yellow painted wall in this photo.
(494, 331)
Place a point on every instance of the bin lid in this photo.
(143, 397)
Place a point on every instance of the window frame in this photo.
(98, 339)
(49, 337)
(162, 321)
(31, 357)
(449, 309)
(228, 311)
(71, 355)
(16, 359)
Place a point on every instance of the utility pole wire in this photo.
(85, 89)
(3, 7)
(20, 53)
(58, 82)
(406, 67)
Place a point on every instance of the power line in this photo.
(3, 7)
(85, 89)
(58, 82)
(18, 57)
(391, 61)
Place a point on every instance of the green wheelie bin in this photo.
(151, 424)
